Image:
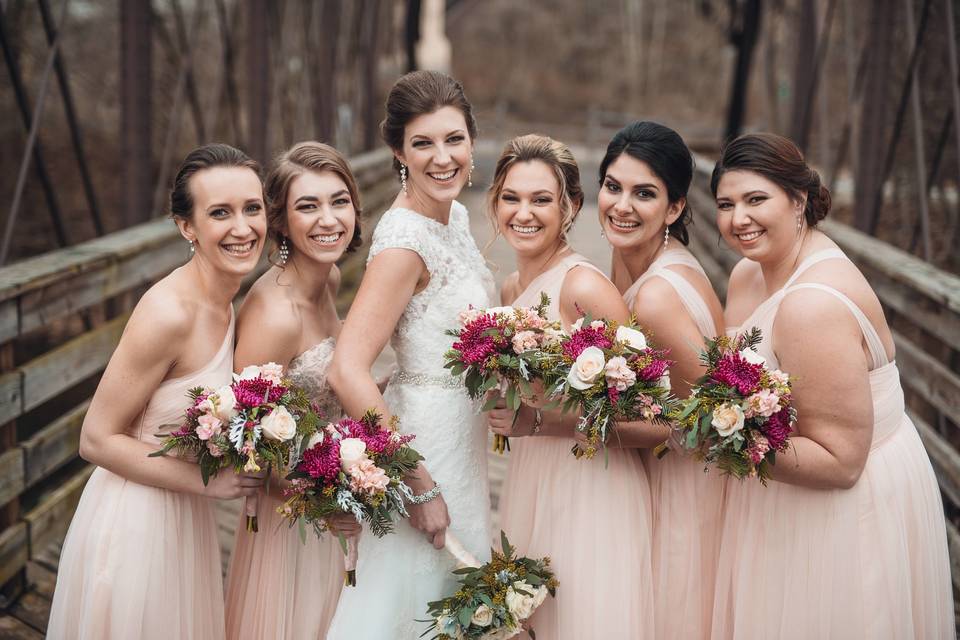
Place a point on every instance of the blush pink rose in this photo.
(763, 403)
(207, 427)
(366, 477)
(524, 341)
(619, 374)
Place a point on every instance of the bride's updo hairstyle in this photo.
(418, 93)
(664, 151)
(779, 160)
(555, 155)
(207, 156)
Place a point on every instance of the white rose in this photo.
(576, 325)
(753, 357)
(352, 450)
(586, 369)
(500, 311)
(279, 425)
(315, 439)
(483, 616)
(519, 604)
(727, 419)
(539, 596)
(632, 337)
(664, 381)
(226, 403)
(249, 373)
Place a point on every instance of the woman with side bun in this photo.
(848, 540)
(280, 586)
(644, 178)
(142, 557)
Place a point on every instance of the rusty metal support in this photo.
(136, 114)
(258, 78)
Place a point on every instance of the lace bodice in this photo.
(309, 372)
(459, 277)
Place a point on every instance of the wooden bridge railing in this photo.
(61, 315)
(922, 304)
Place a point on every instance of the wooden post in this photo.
(136, 114)
(258, 79)
(744, 29)
(919, 148)
(804, 73)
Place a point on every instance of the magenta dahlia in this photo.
(583, 338)
(734, 371)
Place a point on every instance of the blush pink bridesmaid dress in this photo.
(592, 521)
(868, 562)
(687, 503)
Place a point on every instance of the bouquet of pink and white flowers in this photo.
(739, 414)
(498, 348)
(492, 600)
(609, 373)
(253, 422)
(354, 467)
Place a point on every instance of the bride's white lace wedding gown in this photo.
(398, 574)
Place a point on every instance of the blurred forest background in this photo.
(865, 87)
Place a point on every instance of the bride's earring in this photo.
(193, 249)
(403, 179)
(284, 252)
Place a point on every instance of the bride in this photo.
(423, 269)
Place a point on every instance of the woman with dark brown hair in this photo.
(279, 586)
(424, 268)
(849, 540)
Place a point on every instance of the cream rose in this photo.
(586, 369)
(727, 419)
(664, 381)
(752, 356)
(539, 596)
(576, 325)
(314, 440)
(279, 425)
(226, 403)
(352, 451)
(632, 337)
(483, 616)
(520, 604)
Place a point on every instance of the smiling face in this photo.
(320, 216)
(633, 204)
(228, 224)
(436, 151)
(756, 217)
(528, 209)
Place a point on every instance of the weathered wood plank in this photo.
(11, 474)
(76, 360)
(927, 376)
(54, 445)
(11, 395)
(13, 550)
(13, 629)
(953, 543)
(9, 320)
(49, 520)
(41, 579)
(945, 459)
(33, 610)
(66, 296)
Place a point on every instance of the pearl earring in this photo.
(192, 248)
(470, 175)
(666, 237)
(284, 252)
(403, 179)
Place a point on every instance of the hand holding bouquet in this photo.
(497, 348)
(253, 422)
(354, 467)
(493, 600)
(609, 373)
(739, 414)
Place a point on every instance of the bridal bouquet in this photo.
(492, 600)
(610, 373)
(354, 467)
(497, 348)
(253, 422)
(739, 414)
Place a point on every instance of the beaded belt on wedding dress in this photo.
(427, 380)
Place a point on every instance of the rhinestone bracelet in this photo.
(426, 496)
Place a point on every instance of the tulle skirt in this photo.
(138, 562)
(687, 509)
(278, 586)
(594, 524)
(869, 562)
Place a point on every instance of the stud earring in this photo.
(666, 237)
(470, 175)
(403, 179)
(193, 249)
(284, 252)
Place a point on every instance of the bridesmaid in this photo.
(592, 520)
(278, 586)
(141, 558)
(643, 210)
(849, 540)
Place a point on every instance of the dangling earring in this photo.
(470, 175)
(403, 179)
(193, 249)
(666, 237)
(284, 252)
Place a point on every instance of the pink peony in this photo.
(367, 477)
(733, 370)
(207, 426)
(619, 374)
(272, 372)
(763, 403)
(524, 341)
(779, 377)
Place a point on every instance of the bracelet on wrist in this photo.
(537, 421)
(426, 496)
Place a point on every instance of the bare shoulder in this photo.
(163, 312)
(588, 290)
(584, 282)
(656, 300)
(510, 288)
(269, 311)
(745, 274)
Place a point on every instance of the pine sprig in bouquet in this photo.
(739, 414)
(254, 422)
(354, 467)
(498, 348)
(493, 599)
(609, 373)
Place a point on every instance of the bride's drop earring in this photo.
(403, 179)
